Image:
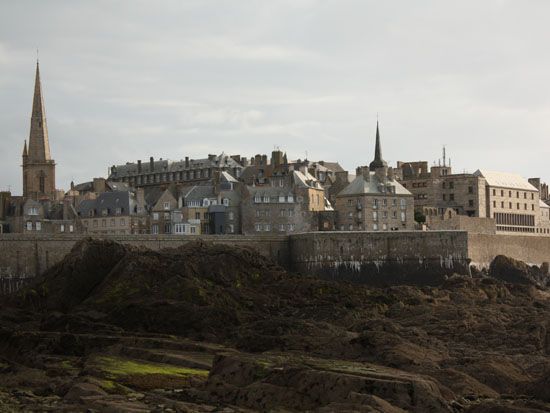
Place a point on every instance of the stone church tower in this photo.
(38, 166)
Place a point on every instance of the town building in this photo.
(186, 172)
(511, 201)
(375, 200)
(111, 213)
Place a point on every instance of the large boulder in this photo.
(514, 271)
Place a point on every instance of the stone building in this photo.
(186, 172)
(511, 201)
(38, 166)
(375, 200)
(111, 213)
(438, 190)
(292, 201)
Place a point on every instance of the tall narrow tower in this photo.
(378, 161)
(38, 166)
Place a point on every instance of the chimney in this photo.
(216, 181)
(264, 159)
(187, 162)
(139, 166)
(365, 171)
(151, 164)
(342, 176)
(99, 185)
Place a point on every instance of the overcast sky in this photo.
(126, 80)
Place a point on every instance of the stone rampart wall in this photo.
(381, 257)
(24, 255)
(482, 248)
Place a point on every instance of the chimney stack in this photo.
(151, 164)
(139, 166)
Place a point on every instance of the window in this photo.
(502, 204)
(193, 230)
(33, 211)
(281, 227)
(231, 215)
(471, 190)
(112, 223)
(350, 227)
(494, 204)
(290, 198)
(494, 192)
(197, 215)
(62, 228)
(179, 228)
(167, 215)
(451, 185)
(290, 227)
(155, 216)
(231, 228)
(350, 215)
(444, 197)
(394, 215)
(385, 202)
(167, 205)
(385, 214)
(375, 203)
(265, 199)
(517, 194)
(525, 195)
(226, 201)
(259, 227)
(375, 216)
(375, 227)
(403, 203)
(122, 221)
(38, 225)
(95, 223)
(385, 227)
(451, 197)
(510, 205)
(501, 192)
(104, 223)
(350, 202)
(267, 227)
(257, 199)
(71, 228)
(290, 212)
(167, 228)
(155, 229)
(29, 225)
(118, 211)
(470, 202)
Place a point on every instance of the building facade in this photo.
(375, 200)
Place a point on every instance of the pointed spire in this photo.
(39, 145)
(378, 162)
(25, 149)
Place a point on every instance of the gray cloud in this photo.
(131, 79)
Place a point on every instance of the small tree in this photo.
(419, 217)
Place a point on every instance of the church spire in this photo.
(378, 162)
(25, 149)
(39, 145)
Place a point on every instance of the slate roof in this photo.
(505, 180)
(165, 165)
(360, 186)
(109, 201)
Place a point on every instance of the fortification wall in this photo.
(366, 257)
(24, 255)
(482, 248)
(381, 258)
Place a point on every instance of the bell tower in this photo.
(38, 166)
